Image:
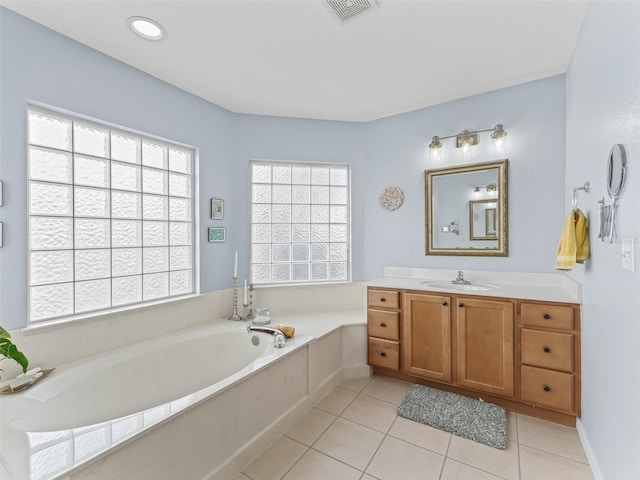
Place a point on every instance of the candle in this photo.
(246, 302)
(235, 266)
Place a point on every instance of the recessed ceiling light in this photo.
(146, 28)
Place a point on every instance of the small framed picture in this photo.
(217, 209)
(217, 234)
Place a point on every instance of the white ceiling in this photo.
(293, 58)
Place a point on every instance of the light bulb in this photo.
(146, 28)
(434, 154)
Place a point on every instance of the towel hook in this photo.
(585, 187)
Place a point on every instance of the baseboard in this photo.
(593, 462)
(356, 371)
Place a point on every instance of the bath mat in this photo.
(463, 416)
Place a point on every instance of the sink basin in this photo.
(474, 287)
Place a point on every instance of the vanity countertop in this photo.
(549, 287)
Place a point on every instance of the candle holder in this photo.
(234, 316)
(249, 312)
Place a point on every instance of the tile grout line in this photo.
(446, 455)
(518, 446)
(556, 455)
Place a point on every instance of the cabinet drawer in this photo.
(383, 324)
(547, 388)
(548, 316)
(384, 298)
(384, 353)
(547, 349)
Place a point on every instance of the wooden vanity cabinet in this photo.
(484, 344)
(426, 336)
(521, 354)
(383, 328)
(550, 356)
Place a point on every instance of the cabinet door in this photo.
(485, 345)
(426, 336)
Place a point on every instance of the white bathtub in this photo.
(112, 397)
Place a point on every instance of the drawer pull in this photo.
(546, 388)
(547, 350)
(461, 305)
(546, 316)
(383, 324)
(445, 303)
(383, 299)
(383, 354)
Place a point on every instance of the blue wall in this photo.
(255, 137)
(533, 115)
(41, 65)
(603, 108)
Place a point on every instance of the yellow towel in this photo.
(574, 241)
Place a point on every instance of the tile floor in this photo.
(354, 434)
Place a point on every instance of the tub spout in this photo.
(278, 336)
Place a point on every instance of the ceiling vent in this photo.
(345, 10)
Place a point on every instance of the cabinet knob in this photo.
(445, 303)
(546, 349)
(383, 354)
(546, 316)
(546, 388)
(383, 324)
(383, 299)
(461, 305)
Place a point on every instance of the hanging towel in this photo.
(574, 241)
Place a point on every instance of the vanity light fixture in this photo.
(146, 28)
(468, 138)
(491, 188)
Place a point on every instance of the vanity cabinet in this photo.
(485, 345)
(549, 356)
(426, 336)
(383, 328)
(521, 354)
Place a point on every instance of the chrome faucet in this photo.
(278, 336)
(460, 279)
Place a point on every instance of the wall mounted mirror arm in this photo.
(616, 180)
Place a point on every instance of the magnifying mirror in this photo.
(616, 171)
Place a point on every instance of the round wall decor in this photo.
(391, 198)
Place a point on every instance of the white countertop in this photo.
(549, 287)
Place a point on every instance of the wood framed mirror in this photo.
(475, 196)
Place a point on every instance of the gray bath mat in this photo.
(463, 416)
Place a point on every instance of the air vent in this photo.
(345, 10)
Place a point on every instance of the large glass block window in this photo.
(110, 217)
(300, 220)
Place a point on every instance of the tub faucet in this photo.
(278, 336)
(460, 279)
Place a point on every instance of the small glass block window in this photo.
(300, 223)
(111, 217)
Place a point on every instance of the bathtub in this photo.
(86, 408)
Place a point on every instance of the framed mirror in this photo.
(473, 198)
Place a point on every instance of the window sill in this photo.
(39, 327)
(310, 284)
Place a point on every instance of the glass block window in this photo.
(110, 217)
(300, 223)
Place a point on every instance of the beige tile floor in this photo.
(354, 433)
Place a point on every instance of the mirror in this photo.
(482, 219)
(466, 210)
(616, 171)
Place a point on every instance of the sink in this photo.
(474, 287)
